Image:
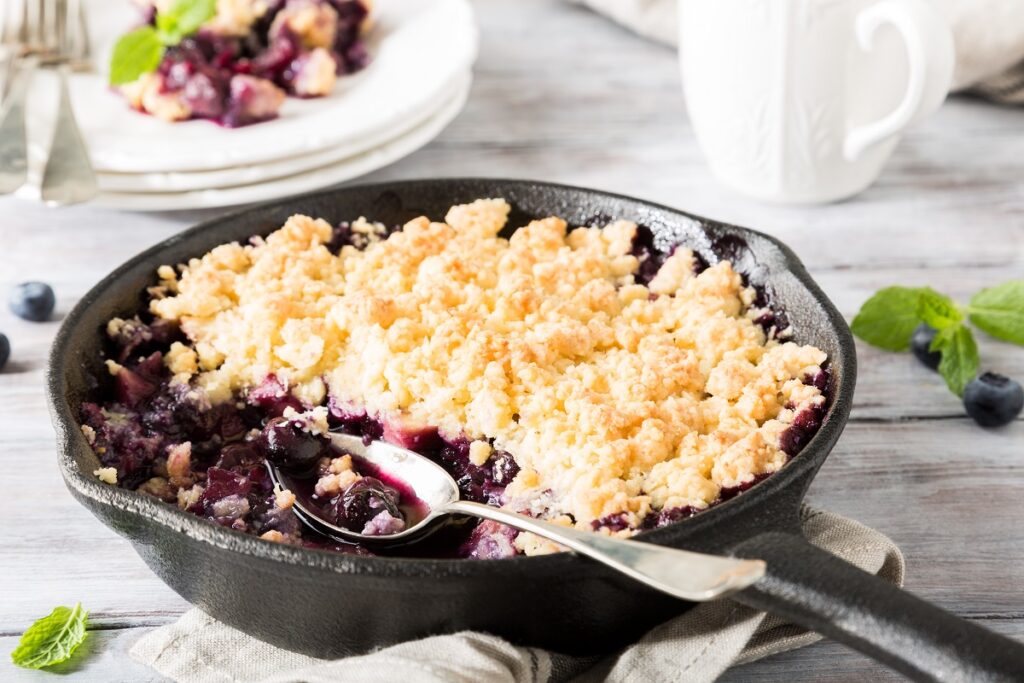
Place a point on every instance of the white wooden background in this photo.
(562, 95)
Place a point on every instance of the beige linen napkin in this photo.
(695, 647)
(989, 38)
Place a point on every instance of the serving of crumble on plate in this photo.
(572, 373)
(242, 62)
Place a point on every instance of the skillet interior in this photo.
(327, 604)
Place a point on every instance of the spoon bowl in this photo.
(431, 497)
(426, 488)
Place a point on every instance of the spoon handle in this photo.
(681, 573)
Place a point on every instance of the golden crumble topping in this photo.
(612, 396)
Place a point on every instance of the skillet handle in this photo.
(811, 587)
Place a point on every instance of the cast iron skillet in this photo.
(328, 604)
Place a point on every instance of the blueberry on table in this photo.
(32, 301)
(5, 350)
(993, 400)
(920, 344)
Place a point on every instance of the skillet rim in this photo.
(69, 439)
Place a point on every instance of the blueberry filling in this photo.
(166, 440)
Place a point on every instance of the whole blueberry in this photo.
(993, 400)
(921, 343)
(32, 301)
(362, 501)
(288, 446)
(5, 350)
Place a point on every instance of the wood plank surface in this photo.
(563, 95)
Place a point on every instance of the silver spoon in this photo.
(681, 573)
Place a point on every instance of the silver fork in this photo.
(68, 176)
(18, 38)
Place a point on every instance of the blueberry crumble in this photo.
(571, 374)
(239, 66)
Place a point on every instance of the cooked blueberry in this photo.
(921, 345)
(489, 541)
(286, 445)
(362, 501)
(32, 301)
(237, 455)
(993, 400)
(132, 388)
(272, 396)
(5, 350)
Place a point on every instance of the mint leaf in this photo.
(889, 317)
(140, 51)
(999, 311)
(135, 53)
(184, 17)
(52, 639)
(959, 364)
(938, 311)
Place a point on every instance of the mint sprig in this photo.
(888, 319)
(140, 51)
(52, 639)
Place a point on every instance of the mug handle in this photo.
(930, 55)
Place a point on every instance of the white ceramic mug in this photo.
(804, 100)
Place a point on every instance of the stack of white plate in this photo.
(422, 52)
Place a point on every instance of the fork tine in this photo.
(48, 25)
(11, 25)
(42, 23)
(25, 24)
(60, 27)
(84, 43)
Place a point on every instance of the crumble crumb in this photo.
(90, 435)
(315, 73)
(179, 460)
(313, 23)
(479, 451)
(187, 497)
(333, 484)
(182, 361)
(284, 499)
(108, 475)
(273, 535)
(159, 487)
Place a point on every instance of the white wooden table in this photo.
(562, 95)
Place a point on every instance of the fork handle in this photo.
(13, 138)
(68, 177)
(680, 573)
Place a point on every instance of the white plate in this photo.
(417, 48)
(331, 175)
(182, 181)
